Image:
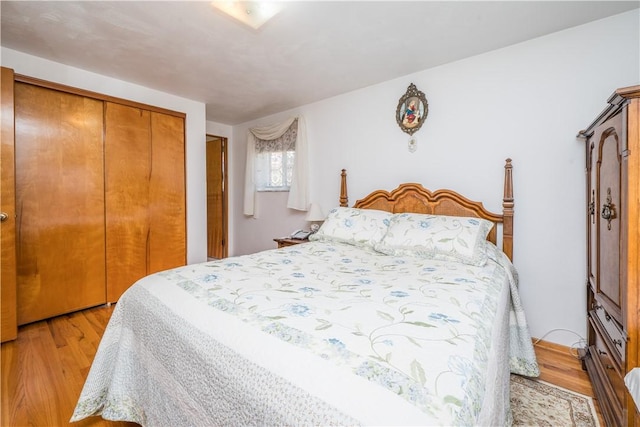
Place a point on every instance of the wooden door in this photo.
(216, 197)
(127, 175)
(8, 326)
(607, 211)
(167, 202)
(60, 202)
(145, 195)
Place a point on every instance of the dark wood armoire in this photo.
(613, 256)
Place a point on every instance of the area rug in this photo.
(537, 403)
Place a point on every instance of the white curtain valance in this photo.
(285, 142)
(299, 191)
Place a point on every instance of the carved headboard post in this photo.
(507, 211)
(344, 199)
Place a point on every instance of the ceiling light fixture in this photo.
(251, 13)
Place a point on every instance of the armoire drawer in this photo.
(608, 400)
(610, 329)
(608, 367)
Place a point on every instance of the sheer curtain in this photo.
(279, 153)
(299, 190)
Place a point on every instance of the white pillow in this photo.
(447, 238)
(359, 227)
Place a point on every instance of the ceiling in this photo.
(310, 51)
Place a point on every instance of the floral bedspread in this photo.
(353, 337)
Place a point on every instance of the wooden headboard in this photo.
(415, 198)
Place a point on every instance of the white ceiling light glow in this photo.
(251, 13)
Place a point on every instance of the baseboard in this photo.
(551, 346)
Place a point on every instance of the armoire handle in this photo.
(3, 217)
(608, 210)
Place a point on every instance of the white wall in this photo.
(527, 102)
(40, 68)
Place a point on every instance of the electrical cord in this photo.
(573, 349)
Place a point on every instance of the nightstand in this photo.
(287, 241)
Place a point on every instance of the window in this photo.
(274, 170)
(277, 160)
(274, 161)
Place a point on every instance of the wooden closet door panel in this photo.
(60, 202)
(8, 322)
(127, 175)
(167, 211)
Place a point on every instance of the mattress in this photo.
(322, 333)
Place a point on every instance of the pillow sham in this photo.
(440, 237)
(359, 227)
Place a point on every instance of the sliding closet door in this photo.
(59, 201)
(167, 211)
(145, 195)
(128, 171)
(8, 321)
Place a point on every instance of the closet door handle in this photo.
(3, 217)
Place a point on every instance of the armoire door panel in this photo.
(127, 175)
(167, 204)
(609, 210)
(60, 202)
(593, 217)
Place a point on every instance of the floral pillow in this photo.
(447, 238)
(359, 227)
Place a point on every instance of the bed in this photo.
(401, 310)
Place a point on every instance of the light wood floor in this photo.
(43, 371)
(561, 367)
